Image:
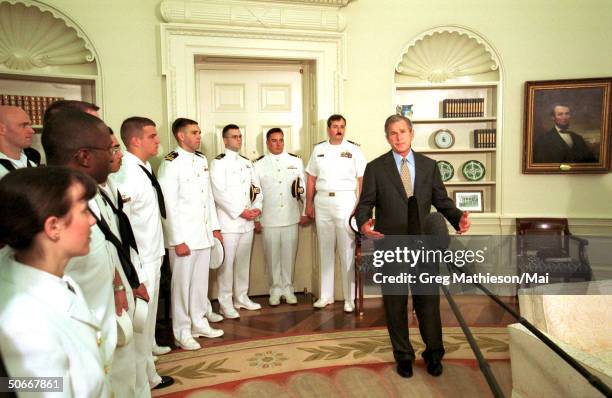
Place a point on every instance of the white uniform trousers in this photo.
(129, 373)
(280, 248)
(189, 291)
(331, 215)
(152, 272)
(236, 267)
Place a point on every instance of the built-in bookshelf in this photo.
(455, 114)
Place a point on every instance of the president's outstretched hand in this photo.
(464, 223)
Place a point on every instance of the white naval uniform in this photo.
(280, 216)
(20, 163)
(46, 330)
(231, 177)
(141, 206)
(337, 168)
(191, 218)
(129, 375)
(94, 273)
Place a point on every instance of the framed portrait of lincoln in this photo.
(567, 126)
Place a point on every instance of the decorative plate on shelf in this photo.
(446, 170)
(473, 170)
(444, 138)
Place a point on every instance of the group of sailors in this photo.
(86, 235)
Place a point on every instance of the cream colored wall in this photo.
(126, 37)
(536, 40)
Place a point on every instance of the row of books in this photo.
(484, 138)
(34, 106)
(463, 107)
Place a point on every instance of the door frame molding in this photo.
(181, 44)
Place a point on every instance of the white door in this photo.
(256, 97)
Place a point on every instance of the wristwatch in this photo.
(118, 288)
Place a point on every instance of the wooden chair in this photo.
(546, 245)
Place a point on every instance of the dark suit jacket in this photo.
(382, 188)
(550, 148)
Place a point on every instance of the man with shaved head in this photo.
(15, 139)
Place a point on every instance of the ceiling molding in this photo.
(321, 15)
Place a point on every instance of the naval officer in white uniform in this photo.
(189, 228)
(46, 327)
(335, 171)
(144, 205)
(235, 188)
(278, 171)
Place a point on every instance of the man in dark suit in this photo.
(402, 185)
(559, 144)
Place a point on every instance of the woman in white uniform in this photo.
(46, 329)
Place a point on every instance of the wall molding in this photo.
(36, 35)
(182, 44)
(320, 15)
(506, 225)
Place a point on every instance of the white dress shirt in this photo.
(20, 163)
(336, 166)
(191, 214)
(46, 330)
(141, 206)
(231, 177)
(276, 174)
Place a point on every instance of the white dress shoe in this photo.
(246, 303)
(229, 313)
(206, 332)
(161, 350)
(213, 317)
(290, 298)
(348, 307)
(187, 343)
(322, 303)
(274, 300)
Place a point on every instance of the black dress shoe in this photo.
(434, 367)
(167, 381)
(404, 368)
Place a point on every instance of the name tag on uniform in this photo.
(346, 155)
(291, 168)
(205, 168)
(321, 155)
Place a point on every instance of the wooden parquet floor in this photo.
(302, 318)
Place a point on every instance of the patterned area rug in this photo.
(337, 364)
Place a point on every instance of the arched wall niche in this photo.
(448, 54)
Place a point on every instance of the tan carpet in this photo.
(339, 364)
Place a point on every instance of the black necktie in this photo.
(125, 227)
(124, 258)
(160, 195)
